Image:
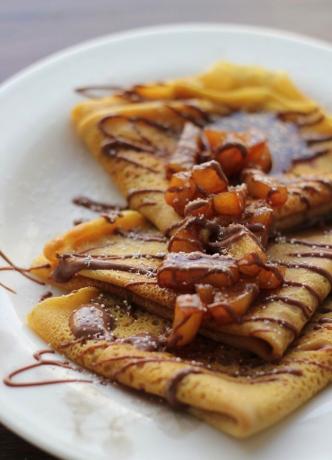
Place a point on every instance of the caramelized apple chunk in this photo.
(267, 275)
(199, 207)
(188, 316)
(238, 150)
(271, 276)
(228, 149)
(221, 305)
(182, 271)
(209, 177)
(241, 242)
(230, 203)
(259, 154)
(194, 232)
(262, 186)
(230, 304)
(180, 192)
(186, 152)
(187, 238)
(251, 264)
(258, 217)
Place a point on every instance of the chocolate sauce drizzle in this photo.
(199, 121)
(173, 385)
(310, 244)
(143, 142)
(147, 342)
(45, 295)
(187, 113)
(111, 149)
(307, 312)
(310, 289)
(95, 206)
(22, 271)
(40, 361)
(143, 191)
(281, 322)
(7, 288)
(71, 264)
(313, 254)
(313, 268)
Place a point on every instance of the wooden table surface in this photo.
(32, 29)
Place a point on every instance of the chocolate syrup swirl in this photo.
(143, 191)
(313, 268)
(188, 117)
(95, 206)
(112, 149)
(143, 141)
(311, 244)
(22, 271)
(174, 382)
(70, 264)
(45, 295)
(40, 361)
(293, 302)
(313, 254)
(7, 288)
(283, 323)
(310, 289)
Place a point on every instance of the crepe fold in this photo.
(240, 399)
(122, 257)
(138, 167)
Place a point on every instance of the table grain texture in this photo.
(32, 29)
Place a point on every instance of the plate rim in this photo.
(131, 33)
(187, 27)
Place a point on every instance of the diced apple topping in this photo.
(188, 316)
(229, 305)
(238, 150)
(267, 275)
(182, 271)
(209, 177)
(258, 217)
(199, 207)
(230, 203)
(220, 305)
(187, 238)
(181, 190)
(262, 186)
(216, 258)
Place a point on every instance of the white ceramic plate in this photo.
(42, 166)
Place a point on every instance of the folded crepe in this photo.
(122, 257)
(134, 136)
(227, 389)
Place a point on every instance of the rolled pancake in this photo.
(140, 174)
(122, 258)
(227, 389)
